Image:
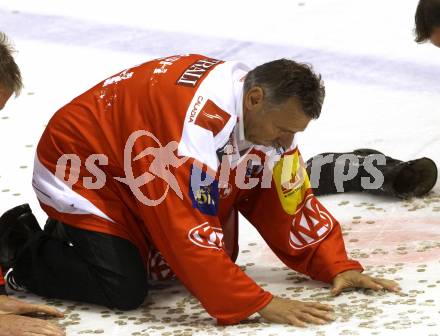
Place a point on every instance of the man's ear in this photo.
(254, 98)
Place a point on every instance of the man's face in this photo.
(4, 96)
(435, 37)
(273, 126)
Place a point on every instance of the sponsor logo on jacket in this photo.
(203, 191)
(212, 118)
(196, 71)
(253, 170)
(291, 181)
(207, 236)
(311, 223)
(195, 108)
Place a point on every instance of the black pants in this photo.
(82, 266)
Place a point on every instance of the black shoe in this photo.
(401, 179)
(12, 284)
(17, 226)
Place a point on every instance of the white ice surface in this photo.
(383, 91)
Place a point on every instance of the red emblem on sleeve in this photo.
(311, 224)
(206, 236)
(212, 118)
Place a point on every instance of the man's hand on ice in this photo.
(12, 324)
(297, 313)
(355, 279)
(9, 305)
(16, 325)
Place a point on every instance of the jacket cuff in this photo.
(236, 319)
(328, 274)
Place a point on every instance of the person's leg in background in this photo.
(69, 263)
(332, 173)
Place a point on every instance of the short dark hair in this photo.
(427, 18)
(10, 75)
(283, 79)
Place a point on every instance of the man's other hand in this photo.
(11, 324)
(297, 313)
(15, 325)
(355, 279)
(9, 305)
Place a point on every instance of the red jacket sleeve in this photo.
(297, 227)
(185, 229)
(2, 283)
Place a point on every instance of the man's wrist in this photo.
(349, 270)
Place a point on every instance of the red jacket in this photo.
(2, 283)
(169, 121)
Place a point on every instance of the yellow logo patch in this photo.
(291, 180)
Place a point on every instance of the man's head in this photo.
(280, 98)
(427, 20)
(10, 76)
